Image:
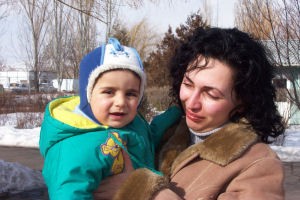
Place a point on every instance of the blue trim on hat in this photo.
(102, 55)
(116, 44)
(139, 58)
(89, 62)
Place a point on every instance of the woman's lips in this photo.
(193, 117)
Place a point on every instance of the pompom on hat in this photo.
(102, 59)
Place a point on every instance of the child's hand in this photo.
(110, 185)
(167, 194)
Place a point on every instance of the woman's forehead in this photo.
(215, 73)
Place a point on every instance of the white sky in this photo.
(159, 16)
(165, 14)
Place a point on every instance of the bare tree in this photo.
(74, 55)
(3, 13)
(277, 24)
(72, 33)
(251, 16)
(143, 37)
(104, 11)
(36, 15)
(59, 33)
(75, 28)
(111, 7)
(85, 24)
(207, 11)
(86, 16)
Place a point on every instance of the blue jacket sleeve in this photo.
(163, 121)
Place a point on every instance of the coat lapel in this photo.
(221, 148)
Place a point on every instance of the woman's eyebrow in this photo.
(188, 78)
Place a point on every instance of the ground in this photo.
(31, 157)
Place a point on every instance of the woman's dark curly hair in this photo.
(252, 80)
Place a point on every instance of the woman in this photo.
(223, 81)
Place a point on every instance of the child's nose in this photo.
(120, 100)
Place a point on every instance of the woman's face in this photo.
(207, 96)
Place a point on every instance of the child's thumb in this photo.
(127, 162)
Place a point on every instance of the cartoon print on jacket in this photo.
(114, 150)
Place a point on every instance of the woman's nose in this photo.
(194, 101)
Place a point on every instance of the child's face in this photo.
(115, 98)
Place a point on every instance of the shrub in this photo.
(158, 97)
(29, 120)
(29, 108)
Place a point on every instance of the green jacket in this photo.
(79, 153)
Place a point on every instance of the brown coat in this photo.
(230, 164)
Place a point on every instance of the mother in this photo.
(222, 78)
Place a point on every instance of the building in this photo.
(68, 85)
(26, 78)
(287, 57)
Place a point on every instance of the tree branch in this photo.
(82, 11)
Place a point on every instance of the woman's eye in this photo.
(213, 96)
(187, 84)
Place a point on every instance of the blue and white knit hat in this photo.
(104, 58)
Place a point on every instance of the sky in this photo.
(160, 16)
(15, 177)
(176, 13)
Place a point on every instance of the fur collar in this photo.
(221, 148)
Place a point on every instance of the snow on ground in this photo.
(10, 136)
(15, 177)
(290, 149)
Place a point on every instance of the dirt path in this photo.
(29, 157)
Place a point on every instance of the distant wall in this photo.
(69, 85)
(25, 77)
(13, 77)
(289, 111)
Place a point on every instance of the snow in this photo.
(15, 177)
(10, 136)
(290, 149)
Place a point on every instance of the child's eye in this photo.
(132, 94)
(107, 91)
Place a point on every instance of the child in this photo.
(82, 137)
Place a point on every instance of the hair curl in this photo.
(253, 74)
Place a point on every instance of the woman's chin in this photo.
(194, 126)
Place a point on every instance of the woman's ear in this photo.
(239, 108)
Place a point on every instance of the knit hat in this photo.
(104, 58)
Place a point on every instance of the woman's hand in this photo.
(110, 185)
